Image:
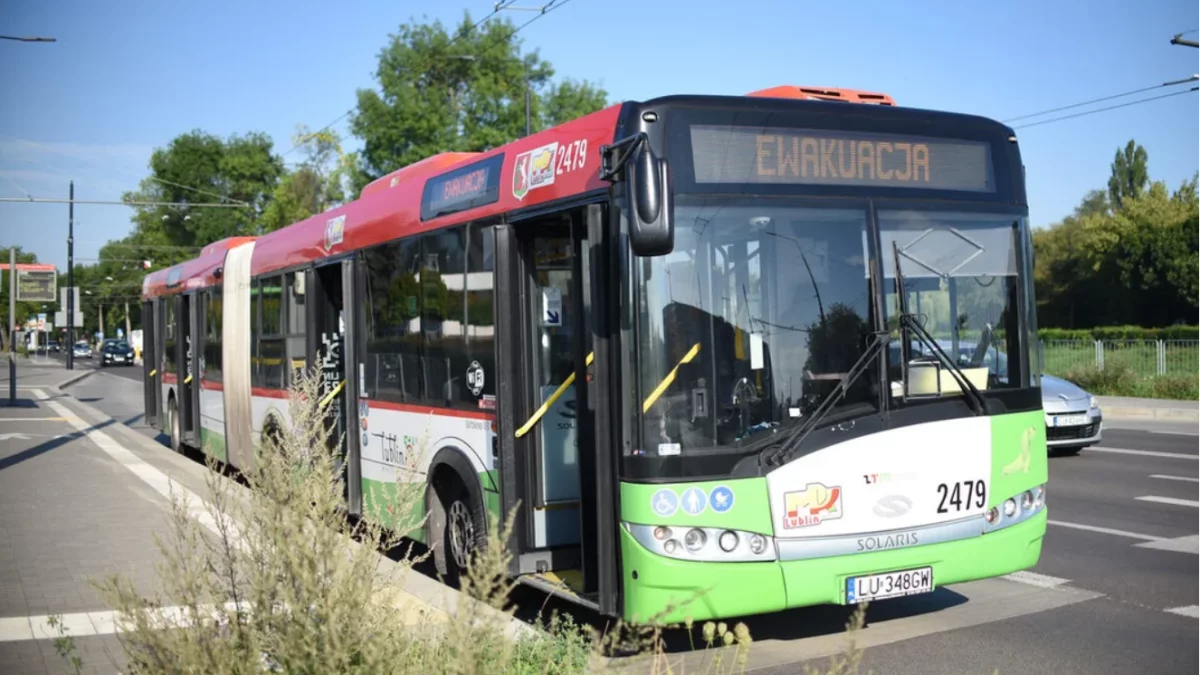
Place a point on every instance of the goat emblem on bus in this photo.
(813, 505)
(334, 230)
(534, 169)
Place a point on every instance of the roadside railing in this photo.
(1144, 357)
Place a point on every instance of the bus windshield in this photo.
(961, 282)
(749, 322)
(765, 304)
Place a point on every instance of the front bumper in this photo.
(714, 590)
(1075, 435)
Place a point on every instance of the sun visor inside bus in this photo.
(931, 248)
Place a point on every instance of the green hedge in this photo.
(1121, 333)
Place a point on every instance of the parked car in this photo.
(116, 352)
(81, 350)
(52, 346)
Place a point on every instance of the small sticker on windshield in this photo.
(793, 412)
(756, 351)
(669, 449)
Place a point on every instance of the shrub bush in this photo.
(1121, 380)
(1121, 333)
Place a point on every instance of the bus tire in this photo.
(458, 529)
(173, 421)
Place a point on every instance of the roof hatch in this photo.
(825, 94)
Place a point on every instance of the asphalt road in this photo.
(1115, 591)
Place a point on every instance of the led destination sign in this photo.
(466, 188)
(721, 154)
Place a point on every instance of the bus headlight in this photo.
(758, 544)
(711, 544)
(1016, 509)
(728, 541)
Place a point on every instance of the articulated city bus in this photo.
(724, 354)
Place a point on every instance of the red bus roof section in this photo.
(825, 94)
(550, 165)
(435, 164)
(194, 273)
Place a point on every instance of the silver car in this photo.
(1073, 419)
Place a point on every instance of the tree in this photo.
(314, 186)
(199, 167)
(1129, 174)
(441, 92)
(1129, 264)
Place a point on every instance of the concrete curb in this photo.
(1136, 413)
(72, 380)
(437, 596)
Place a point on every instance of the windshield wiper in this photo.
(797, 436)
(908, 322)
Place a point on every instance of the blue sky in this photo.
(126, 77)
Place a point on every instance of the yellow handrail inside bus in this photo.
(541, 412)
(329, 397)
(662, 386)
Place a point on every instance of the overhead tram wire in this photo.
(1098, 100)
(1111, 107)
(499, 7)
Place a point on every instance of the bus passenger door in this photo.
(150, 364)
(189, 378)
(331, 314)
(544, 346)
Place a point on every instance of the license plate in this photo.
(889, 585)
(1068, 420)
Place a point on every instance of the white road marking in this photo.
(1146, 453)
(1184, 478)
(1105, 530)
(156, 479)
(1170, 500)
(1176, 433)
(1190, 610)
(82, 624)
(1188, 544)
(1036, 579)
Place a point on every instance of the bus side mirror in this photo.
(651, 223)
(649, 208)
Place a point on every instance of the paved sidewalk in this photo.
(81, 496)
(67, 515)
